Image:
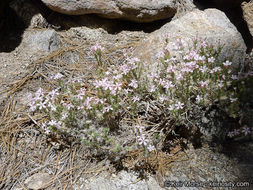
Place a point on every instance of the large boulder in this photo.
(211, 24)
(139, 11)
(248, 14)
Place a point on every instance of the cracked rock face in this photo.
(138, 11)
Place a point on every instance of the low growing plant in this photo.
(118, 110)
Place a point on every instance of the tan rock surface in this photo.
(140, 11)
(248, 14)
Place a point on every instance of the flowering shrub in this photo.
(113, 104)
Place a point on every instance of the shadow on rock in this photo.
(11, 28)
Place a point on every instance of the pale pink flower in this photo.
(57, 76)
(64, 116)
(134, 83)
(227, 63)
(87, 102)
(236, 132)
(171, 107)
(198, 57)
(52, 106)
(160, 54)
(98, 100)
(168, 84)
(171, 69)
(53, 94)
(124, 68)
(69, 106)
(233, 99)
(249, 73)
(136, 98)
(211, 59)
(152, 88)
(32, 107)
(179, 105)
(107, 109)
(162, 98)
(203, 83)
(133, 60)
(81, 93)
(96, 48)
(203, 69)
(246, 130)
(150, 148)
(215, 69)
(199, 98)
(179, 76)
(117, 77)
(231, 134)
(140, 128)
(41, 105)
(176, 46)
(52, 123)
(38, 94)
(142, 140)
(220, 84)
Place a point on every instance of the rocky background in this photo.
(43, 37)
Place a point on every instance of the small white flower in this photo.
(142, 140)
(227, 63)
(234, 77)
(152, 88)
(58, 76)
(140, 128)
(211, 60)
(52, 123)
(96, 48)
(41, 105)
(32, 107)
(233, 99)
(136, 98)
(107, 109)
(160, 54)
(179, 105)
(134, 83)
(64, 116)
(220, 84)
(199, 98)
(215, 69)
(150, 148)
(171, 107)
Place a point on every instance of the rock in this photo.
(123, 180)
(248, 14)
(210, 24)
(37, 181)
(139, 11)
(87, 33)
(45, 40)
(35, 14)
